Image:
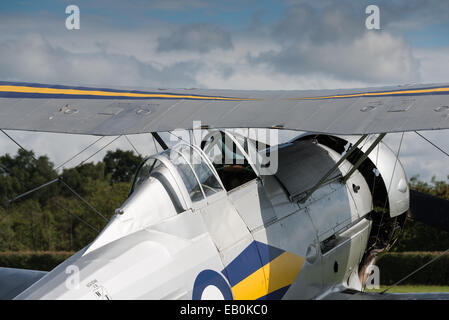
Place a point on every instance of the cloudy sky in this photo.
(245, 44)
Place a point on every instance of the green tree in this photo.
(417, 236)
(25, 172)
(53, 218)
(77, 178)
(121, 165)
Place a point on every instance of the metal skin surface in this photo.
(100, 111)
(251, 242)
(393, 174)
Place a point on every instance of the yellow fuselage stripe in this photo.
(37, 90)
(275, 275)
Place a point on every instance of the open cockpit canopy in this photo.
(191, 174)
(184, 171)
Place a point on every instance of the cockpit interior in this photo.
(191, 174)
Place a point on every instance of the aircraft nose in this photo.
(67, 282)
(115, 270)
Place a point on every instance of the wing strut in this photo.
(363, 158)
(159, 140)
(332, 170)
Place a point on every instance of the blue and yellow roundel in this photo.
(259, 272)
(208, 278)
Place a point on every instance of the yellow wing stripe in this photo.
(43, 90)
(371, 94)
(277, 274)
(38, 90)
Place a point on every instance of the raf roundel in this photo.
(210, 285)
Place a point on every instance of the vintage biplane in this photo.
(230, 217)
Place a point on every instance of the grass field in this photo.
(412, 289)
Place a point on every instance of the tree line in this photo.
(417, 236)
(67, 214)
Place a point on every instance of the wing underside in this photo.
(14, 281)
(100, 111)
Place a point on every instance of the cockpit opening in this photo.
(185, 173)
(228, 159)
(190, 174)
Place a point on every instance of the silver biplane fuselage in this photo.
(197, 227)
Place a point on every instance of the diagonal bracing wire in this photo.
(82, 199)
(75, 216)
(4, 169)
(132, 145)
(76, 155)
(438, 256)
(66, 211)
(178, 137)
(11, 138)
(417, 270)
(59, 178)
(20, 196)
(101, 149)
(433, 144)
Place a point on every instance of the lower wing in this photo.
(14, 281)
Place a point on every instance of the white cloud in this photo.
(421, 158)
(308, 56)
(33, 58)
(434, 64)
(195, 38)
(378, 58)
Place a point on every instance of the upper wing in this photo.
(99, 111)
